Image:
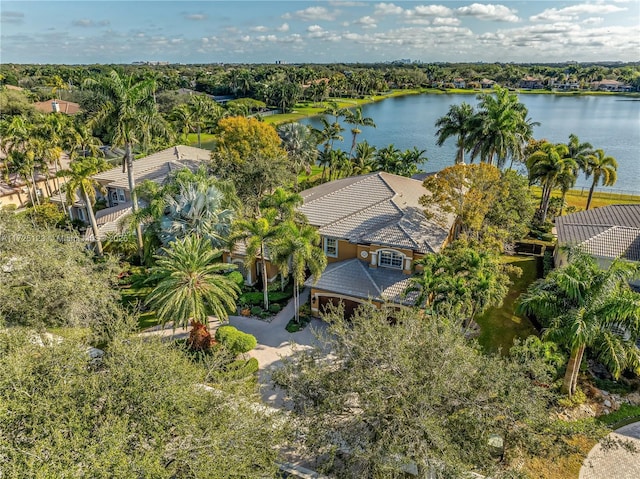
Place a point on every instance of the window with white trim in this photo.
(390, 259)
(121, 197)
(331, 247)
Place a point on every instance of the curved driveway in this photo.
(615, 463)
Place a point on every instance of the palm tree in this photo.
(581, 306)
(80, 178)
(299, 143)
(296, 250)
(204, 111)
(258, 234)
(364, 160)
(190, 285)
(286, 204)
(184, 120)
(410, 159)
(604, 170)
(389, 159)
(354, 117)
(547, 166)
(457, 122)
(129, 114)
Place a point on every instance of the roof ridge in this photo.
(364, 209)
(408, 234)
(366, 272)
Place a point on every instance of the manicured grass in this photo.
(500, 326)
(316, 171)
(207, 139)
(135, 295)
(578, 198)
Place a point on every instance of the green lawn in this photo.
(207, 139)
(135, 295)
(578, 198)
(500, 326)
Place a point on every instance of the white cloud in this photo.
(432, 10)
(195, 16)
(83, 22)
(574, 11)
(489, 11)
(338, 3)
(267, 38)
(312, 14)
(283, 28)
(259, 28)
(446, 21)
(593, 21)
(366, 22)
(12, 17)
(388, 9)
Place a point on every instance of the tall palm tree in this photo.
(299, 143)
(190, 285)
(604, 170)
(204, 111)
(389, 159)
(80, 178)
(258, 234)
(457, 122)
(296, 250)
(547, 166)
(286, 204)
(183, 119)
(581, 305)
(129, 113)
(355, 117)
(364, 159)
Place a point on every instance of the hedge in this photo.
(257, 298)
(236, 341)
(239, 369)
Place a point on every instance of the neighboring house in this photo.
(109, 220)
(459, 83)
(611, 85)
(486, 83)
(373, 229)
(57, 106)
(155, 167)
(15, 191)
(531, 83)
(606, 233)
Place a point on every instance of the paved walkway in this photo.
(274, 341)
(615, 463)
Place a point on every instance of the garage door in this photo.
(348, 305)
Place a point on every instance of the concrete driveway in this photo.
(615, 463)
(274, 342)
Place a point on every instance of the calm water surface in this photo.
(607, 122)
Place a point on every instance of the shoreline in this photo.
(303, 110)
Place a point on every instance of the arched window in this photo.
(390, 259)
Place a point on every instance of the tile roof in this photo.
(609, 232)
(376, 208)
(354, 278)
(176, 155)
(108, 220)
(68, 107)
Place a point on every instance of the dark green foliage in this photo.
(275, 308)
(237, 370)
(135, 413)
(48, 278)
(415, 393)
(236, 277)
(256, 310)
(235, 341)
(255, 298)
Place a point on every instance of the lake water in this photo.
(607, 122)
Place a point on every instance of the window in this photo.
(331, 247)
(81, 214)
(390, 259)
(121, 197)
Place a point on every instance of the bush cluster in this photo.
(235, 341)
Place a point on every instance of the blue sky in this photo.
(318, 31)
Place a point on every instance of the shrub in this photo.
(235, 341)
(275, 308)
(578, 398)
(200, 338)
(239, 369)
(256, 311)
(236, 277)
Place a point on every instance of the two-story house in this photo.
(373, 229)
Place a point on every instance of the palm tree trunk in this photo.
(296, 302)
(544, 205)
(35, 186)
(460, 155)
(265, 289)
(26, 181)
(57, 183)
(573, 368)
(92, 220)
(199, 142)
(134, 196)
(593, 186)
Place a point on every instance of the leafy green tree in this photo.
(184, 120)
(355, 117)
(258, 233)
(457, 122)
(129, 114)
(190, 285)
(604, 169)
(581, 305)
(297, 250)
(299, 143)
(549, 167)
(141, 409)
(80, 178)
(49, 279)
(205, 111)
(413, 395)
